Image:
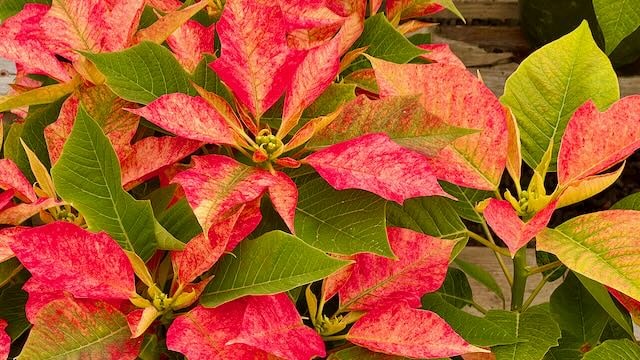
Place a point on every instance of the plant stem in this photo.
(519, 279)
(503, 266)
(545, 267)
(537, 289)
(488, 243)
(478, 307)
(334, 337)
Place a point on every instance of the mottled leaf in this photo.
(476, 160)
(551, 84)
(80, 329)
(595, 141)
(284, 197)
(11, 178)
(273, 263)
(378, 281)
(376, 164)
(20, 213)
(441, 53)
(504, 221)
(190, 42)
(602, 246)
(401, 330)
(344, 222)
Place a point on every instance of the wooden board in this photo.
(483, 9)
(7, 74)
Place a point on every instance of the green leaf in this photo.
(577, 312)
(344, 222)
(142, 73)
(602, 296)
(544, 258)
(622, 349)
(384, 42)
(12, 303)
(467, 200)
(551, 84)
(617, 19)
(568, 348)
(480, 275)
(271, 264)
(358, 353)
(82, 329)
(180, 221)
(9, 8)
(631, 202)
(476, 330)
(206, 78)
(32, 133)
(602, 246)
(456, 289)
(430, 215)
(8, 270)
(535, 327)
(87, 176)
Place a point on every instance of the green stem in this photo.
(545, 267)
(334, 337)
(503, 266)
(519, 279)
(478, 307)
(537, 290)
(488, 243)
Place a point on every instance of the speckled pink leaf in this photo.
(217, 184)
(353, 11)
(165, 5)
(334, 282)
(504, 221)
(39, 295)
(420, 268)
(594, 141)
(106, 108)
(375, 163)
(188, 116)
(248, 221)
(56, 253)
(151, 154)
(255, 61)
(202, 334)
(401, 330)
(412, 8)
(190, 42)
(6, 199)
(22, 41)
(441, 53)
(284, 197)
(80, 329)
(20, 213)
(201, 252)
(309, 23)
(6, 236)
(272, 324)
(5, 340)
(11, 178)
(316, 72)
(91, 25)
(459, 99)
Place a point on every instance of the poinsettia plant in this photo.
(288, 179)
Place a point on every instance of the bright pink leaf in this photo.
(420, 268)
(190, 42)
(411, 9)
(22, 42)
(594, 141)
(11, 178)
(20, 213)
(316, 72)
(5, 340)
(39, 295)
(310, 23)
(375, 163)
(151, 154)
(202, 333)
(504, 221)
(284, 197)
(55, 253)
(165, 5)
(334, 282)
(248, 221)
(217, 184)
(256, 62)
(187, 116)
(462, 100)
(441, 53)
(629, 303)
(401, 330)
(6, 199)
(272, 324)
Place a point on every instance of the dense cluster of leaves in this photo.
(288, 179)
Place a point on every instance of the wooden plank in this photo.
(472, 10)
(504, 38)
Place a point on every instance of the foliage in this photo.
(291, 180)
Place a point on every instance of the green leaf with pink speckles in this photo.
(604, 246)
(83, 329)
